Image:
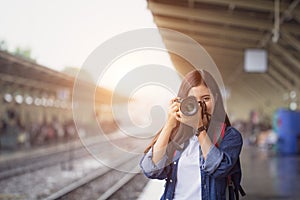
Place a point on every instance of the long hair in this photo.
(219, 116)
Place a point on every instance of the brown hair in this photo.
(193, 79)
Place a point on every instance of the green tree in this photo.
(24, 53)
(3, 45)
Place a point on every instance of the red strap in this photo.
(174, 154)
(229, 180)
(217, 140)
(223, 130)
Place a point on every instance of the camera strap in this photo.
(204, 113)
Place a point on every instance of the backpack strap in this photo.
(230, 188)
(234, 190)
(218, 138)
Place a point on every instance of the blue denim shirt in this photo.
(219, 163)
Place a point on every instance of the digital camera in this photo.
(189, 106)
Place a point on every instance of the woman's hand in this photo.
(173, 112)
(193, 121)
(159, 148)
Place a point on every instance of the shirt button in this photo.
(174, 163)
(171, 181)
(204, 186)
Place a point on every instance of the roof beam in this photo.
(275, 79)
(178, 24)
(291, 59)
(253, 4)
(273, 82)
(267, 93)
(284, 26)
(291, 40)
(222, 42)
(262, 84)
(220, 50)
(28, 82)
(280, 77)
(288, 13)
(249, 89)
(223, 51)
(259, 5)
(183, 66)
(278, 64)
(297, 16)
(209, 16)
(227, 44)
(292, 28)
(29, 64)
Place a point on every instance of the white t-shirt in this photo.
(188, 184)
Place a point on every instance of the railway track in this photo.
(106, 179)
(63, 156)
(98, 181)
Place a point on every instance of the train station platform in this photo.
(266, 176)
(153, 190)
(42, 150)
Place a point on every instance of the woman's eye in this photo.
(206, 99)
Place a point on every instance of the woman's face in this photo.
(202, 93)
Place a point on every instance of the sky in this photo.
(64, 32)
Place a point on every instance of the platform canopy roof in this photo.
(226, 28)
(24, 74)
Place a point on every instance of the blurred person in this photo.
(11, 131)
(70, 129)
(34, 132)
(58, 129)
(197, 155)
(2, 131)
(23, 135)
(47, 133)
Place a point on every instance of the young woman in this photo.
(197, 155)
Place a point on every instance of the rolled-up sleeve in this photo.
(219, 161)
(213, 159)
(152, 170)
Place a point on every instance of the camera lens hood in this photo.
(189, 106)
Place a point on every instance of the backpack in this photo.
(235, 176)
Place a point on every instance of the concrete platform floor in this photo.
(266, 176)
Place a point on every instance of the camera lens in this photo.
(189, 106)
